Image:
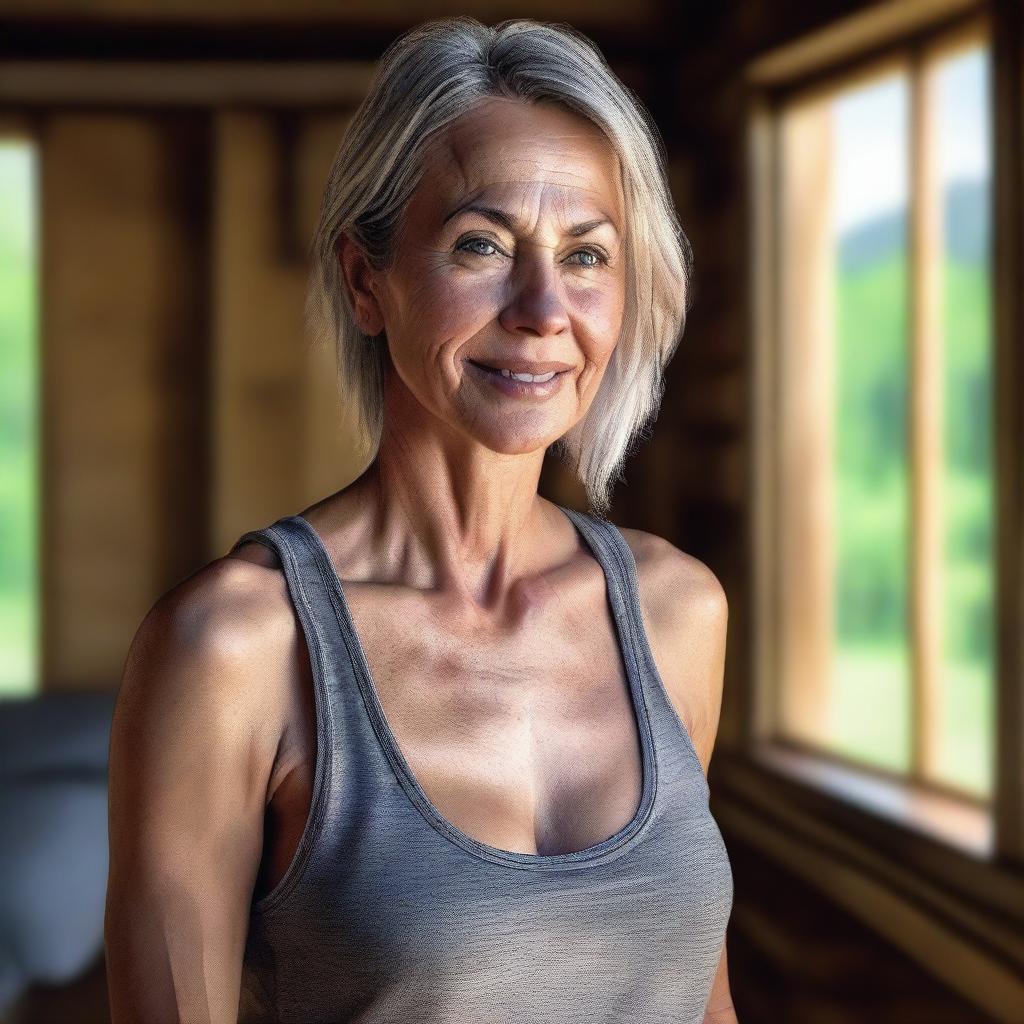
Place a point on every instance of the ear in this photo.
(359, 279)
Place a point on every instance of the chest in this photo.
(524, 738)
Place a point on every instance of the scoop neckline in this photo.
(628, 643)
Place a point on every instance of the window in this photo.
(874, 270)
(19, 507)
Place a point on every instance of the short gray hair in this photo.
(425, 80)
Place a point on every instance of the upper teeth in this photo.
(529, 376)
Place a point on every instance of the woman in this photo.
(418, 753)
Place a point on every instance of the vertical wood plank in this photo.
(122, 364)
(256, 393)
(281, 437)
(763, 275)
(331, 457)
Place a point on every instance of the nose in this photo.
(536, 304)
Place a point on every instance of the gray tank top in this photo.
(389, 913)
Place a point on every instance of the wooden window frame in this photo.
(796, 614)
(937, 875)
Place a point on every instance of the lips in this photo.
(523, 376)
(516, 387)
(535, 367)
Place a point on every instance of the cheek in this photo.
(422, 309)
(600, 305)
(452, 303)
(470, 298)
(437, 312)
(599, 311)
(457, 308)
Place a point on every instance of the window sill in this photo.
(944, 818)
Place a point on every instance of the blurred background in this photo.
(840, 440)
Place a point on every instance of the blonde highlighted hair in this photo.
(426, 79)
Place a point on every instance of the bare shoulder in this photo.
(212, 653)
(235, 607)
(684, 582)
(685, 611)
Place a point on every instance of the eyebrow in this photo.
(509, 223)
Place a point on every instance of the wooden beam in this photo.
(70, 83)
(855, 37)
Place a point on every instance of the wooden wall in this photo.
(125, 463)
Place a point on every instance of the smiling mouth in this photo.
(518, 385)
(527, 378)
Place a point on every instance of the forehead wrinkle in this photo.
(552, 151)
(454, 153)
(564, 206)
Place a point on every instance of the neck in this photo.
(451, 514)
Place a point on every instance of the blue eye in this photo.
(599, 256)
(477, 241)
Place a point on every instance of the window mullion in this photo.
(925, 421)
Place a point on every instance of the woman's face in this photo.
(509, 255)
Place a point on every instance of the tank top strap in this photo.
(291, 553)
(671, 735)
(310, 596)
(302, 571)
(616, 558)
(309, 587)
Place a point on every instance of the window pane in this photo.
(19, 625)
(843, 468)
(871, 697)
(964, 747)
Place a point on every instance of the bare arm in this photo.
(190, 757)
(714, 609)
(689, 613)
(720, 1009)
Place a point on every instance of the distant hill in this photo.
(967, 227)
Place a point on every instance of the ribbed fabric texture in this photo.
(388, 913)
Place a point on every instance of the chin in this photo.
(512, 442)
